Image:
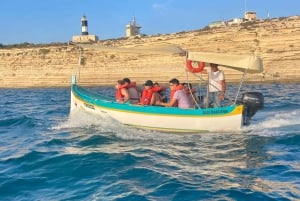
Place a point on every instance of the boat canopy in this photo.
(248, 63)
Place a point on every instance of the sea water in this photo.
(48, 154)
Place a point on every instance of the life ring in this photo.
(195, 66)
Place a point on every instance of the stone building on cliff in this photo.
(250, 15)
(133, 29)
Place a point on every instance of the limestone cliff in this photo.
(276, 41)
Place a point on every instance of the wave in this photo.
(18, 121)
(272, 122)
(266, 122)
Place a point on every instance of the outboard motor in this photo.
(252, 102)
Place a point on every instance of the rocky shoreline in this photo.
(276, 41)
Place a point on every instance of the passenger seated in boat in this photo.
(122, 94)
(133, 91)
(150, 94)
(162, 93)
(178, 97)
(191, 93)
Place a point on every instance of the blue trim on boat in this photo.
(101, 101)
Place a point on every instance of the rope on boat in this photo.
(190, 90)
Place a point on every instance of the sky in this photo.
(55, 21)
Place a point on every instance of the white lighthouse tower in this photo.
(84, 26)
(84, 37)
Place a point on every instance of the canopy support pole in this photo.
(241, 82)
(79, 62)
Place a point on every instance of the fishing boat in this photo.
(173, 119)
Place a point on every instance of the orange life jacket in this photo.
(119, 95)
(147, 95)
(132, 84)
(178, 87)
(157, 88)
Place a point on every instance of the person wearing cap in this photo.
(149, 94)
(133, 91)
(217, 87)
(178, 97)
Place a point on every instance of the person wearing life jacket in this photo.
(122, 94)
(162, 92)
(133, 91)
(190, 92)
(178, 97)
(149, 94)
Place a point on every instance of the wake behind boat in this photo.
(230, 117)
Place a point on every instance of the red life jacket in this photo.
(147, 95)
(178, 87)
(157, 88)
(119, 95)
(132, 84)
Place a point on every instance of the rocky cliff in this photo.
(276, 41)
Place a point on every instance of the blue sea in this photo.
(48, 154)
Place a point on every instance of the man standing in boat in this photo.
(217, 87)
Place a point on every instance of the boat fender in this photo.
(195, 66)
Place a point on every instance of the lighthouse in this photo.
(84, 26)
(84, 37)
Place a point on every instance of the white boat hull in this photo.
(166, 122)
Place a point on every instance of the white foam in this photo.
(275, 123)
(106, 125)
(81, 119)
(267, 123)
